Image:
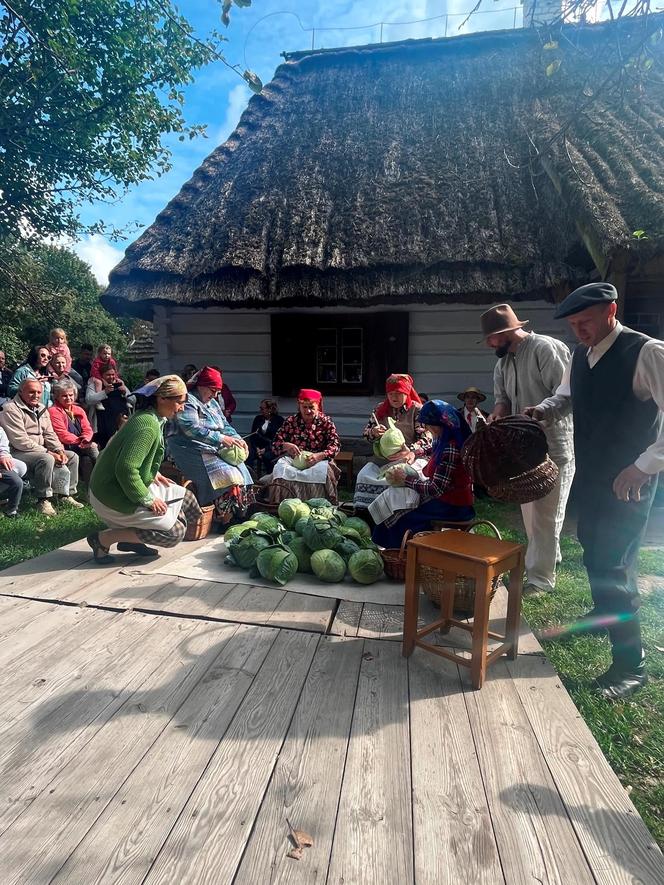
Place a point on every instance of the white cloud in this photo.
(238, 98)
(99, 254)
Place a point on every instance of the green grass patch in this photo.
(631, 734)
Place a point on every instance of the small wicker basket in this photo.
(200, 528)
(431, 580)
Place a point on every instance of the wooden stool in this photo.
(344, 461)
(474, 556)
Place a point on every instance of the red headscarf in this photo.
(314, 395)
(397, 384)
(207, 377)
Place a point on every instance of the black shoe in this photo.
(619, 684)
(101, 553)
(138, 549)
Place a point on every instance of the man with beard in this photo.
(530, 368)
(615, 388)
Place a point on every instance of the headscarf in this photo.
(314, 395)
(398, 383)
(438, 413)
(206, 377)
(166, 385)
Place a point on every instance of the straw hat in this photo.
(500, 318)
(475, 391)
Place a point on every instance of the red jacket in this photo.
(60, 425)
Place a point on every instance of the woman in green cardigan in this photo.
(128, 492)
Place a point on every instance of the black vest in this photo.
(612, 427)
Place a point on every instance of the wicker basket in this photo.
(431, 580)
(528, 486)
(394, 560)
(200, 528)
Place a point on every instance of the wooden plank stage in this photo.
(156, 729)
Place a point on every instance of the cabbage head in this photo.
(376, 449)
(300, 461)
(360, 526)
(235, 531)
(268, 523)
(292, 509)
(300, 525)
(328, 513)
(318, 502)
(351, 534)
(368, 544)
(392, 441)
(277, 563)
(346, 549)
(287, 537)
(388, 472)
(245, 549)
(328, 566)
(321, 535)
(299, 547)
(234, 455)
(366, 566)
(340, 516)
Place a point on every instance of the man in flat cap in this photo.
(615, 390)
(530, 367)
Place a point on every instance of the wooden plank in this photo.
(615, 840)
(208, 839)
(59, 729)
(184, 711)
(62, 559)
(35, 676)
(250, 605)
(528, 643)
(46, 628)
(306, 782)
(381, 621)
(347, 619)
(373, 841)
(536, 840)
(300, 611)
(453, 836)
(17, 614)
(42, 838)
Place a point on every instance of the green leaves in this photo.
(640, 235)
(87, 93)
(253, 80)
(552, 67)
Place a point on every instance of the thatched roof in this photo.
(400, 173)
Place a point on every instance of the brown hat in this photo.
(500, 318)
(475, 392)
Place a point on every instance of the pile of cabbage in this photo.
(312, 537)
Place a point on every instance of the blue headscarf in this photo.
(438, 413)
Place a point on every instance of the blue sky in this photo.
(256, 37)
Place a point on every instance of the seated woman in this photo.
(309, 430)
(402, 404)
(263, 431)
(127, 492)
(198, 434)
(445, 492)
(35, 367)
(58, 372)
(71, 425)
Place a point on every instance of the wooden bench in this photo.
(344, 461)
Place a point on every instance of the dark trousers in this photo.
(11, 488)
(610, 532)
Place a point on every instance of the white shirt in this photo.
(648, 383)
(471, 418)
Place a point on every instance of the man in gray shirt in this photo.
(530, 368)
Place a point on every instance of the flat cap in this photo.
(586, 296)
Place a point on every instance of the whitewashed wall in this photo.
(444, 356)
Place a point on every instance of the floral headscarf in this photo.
(438, 413)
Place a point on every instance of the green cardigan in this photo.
(129, 463)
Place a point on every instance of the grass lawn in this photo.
(631, 734)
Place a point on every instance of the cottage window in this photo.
(343, 355)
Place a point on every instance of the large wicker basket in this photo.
(394, 560)
(200, 528)
(431, 580)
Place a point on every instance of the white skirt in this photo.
(142, 517)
